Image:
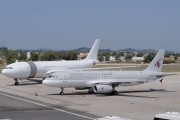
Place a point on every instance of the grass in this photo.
(171, 68)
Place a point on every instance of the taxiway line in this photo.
(46, 106)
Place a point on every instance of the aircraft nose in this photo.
(46, 82)
(4, 72)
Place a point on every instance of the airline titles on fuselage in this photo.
(108, 74)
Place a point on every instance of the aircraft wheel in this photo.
(114, 93)
(16, 83)
(61, 93)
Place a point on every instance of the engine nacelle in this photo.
(103, 88)
(91, 90)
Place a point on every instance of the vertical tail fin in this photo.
(94, 51)
(156, 64)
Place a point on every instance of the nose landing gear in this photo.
(62, 91)
(16, 81)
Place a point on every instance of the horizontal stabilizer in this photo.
(160, 75)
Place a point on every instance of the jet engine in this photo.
(91, 90)
(103, 88)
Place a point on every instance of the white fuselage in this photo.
(21, 70)
(106, 81)
(81, 79)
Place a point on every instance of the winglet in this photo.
(156, 64)
(94, 51)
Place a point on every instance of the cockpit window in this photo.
(52, 76)
(8, 68)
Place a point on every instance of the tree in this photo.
(107, 57)
(71, 55)
(34, 56)
(117, 56)
(149, 57)
(167, 55)
(139, 54)
(104, 54)
(57, 55)
(128, 57)
(100, 58)
(23, 57)
(121, 53)
(1, 61)
(11, 57)
(175, 58)
(114, 53)
(47, 56)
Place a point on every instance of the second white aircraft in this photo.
(106, 81)
(42, 69)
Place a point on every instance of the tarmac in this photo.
(32, 100)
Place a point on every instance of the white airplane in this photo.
(42, 69)
(106, 81)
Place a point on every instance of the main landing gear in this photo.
(62, 91)
(114, 92)
(16, 81)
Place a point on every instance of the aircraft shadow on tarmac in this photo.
(29, 82)
(120, 93)
(123, 93)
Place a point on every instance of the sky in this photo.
(70, 24)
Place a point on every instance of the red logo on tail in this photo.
(158, 64)
(161, 80)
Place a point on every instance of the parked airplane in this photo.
(106, 81)
(42, 69)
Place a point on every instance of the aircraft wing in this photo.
(53, 71)
(111, 82)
